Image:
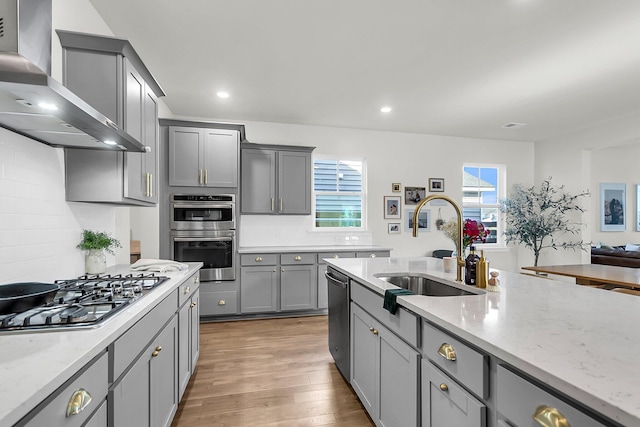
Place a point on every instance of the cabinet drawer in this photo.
(302, 258)
(258, 259)
(131, 343)
(372, 254)
(187, 288)
(404, 323)
(518, 400)
(334, 255)
(218, 302)
(468, 366)
(94, 380)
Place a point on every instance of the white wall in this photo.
(410, 159)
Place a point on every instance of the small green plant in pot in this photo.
(96, 243)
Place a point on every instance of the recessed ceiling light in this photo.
(109, 142)
(222, 94)
(385, 109)
(47, 106)
(513, 125)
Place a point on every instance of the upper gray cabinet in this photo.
(203, 157)
(276, 179)
(107, 73)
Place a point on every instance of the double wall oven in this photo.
(203, 229)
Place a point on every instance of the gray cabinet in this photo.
(220, 298)
(298, 287)
(147, 395)
(276, 179)
(445, 403)
(189, 338)
(384, 371)
(107, 73)
(203, 157)
(259, 289)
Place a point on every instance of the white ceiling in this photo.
(446, 67)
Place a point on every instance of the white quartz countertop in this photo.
(582, 341)
(34, 364)
(310, 248)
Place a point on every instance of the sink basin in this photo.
(422, 285)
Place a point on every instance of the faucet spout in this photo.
(459, 243)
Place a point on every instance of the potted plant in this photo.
(472, 231)
(96, 243)
(535, 214)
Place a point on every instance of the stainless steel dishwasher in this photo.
(339, 320)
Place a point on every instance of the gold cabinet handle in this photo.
(274, 270)
(372, 256)
(336, 257)
(280, 204)
(150, 185)
(200, 176)
(375, 332)
(258, 259)
(297, 258)
(282, 270)
(371, 329)
(444, 387)
(80, 399)
(187, 289)
(206, 177)
(221, 302)
(193, 304)
(196, 279)
(447, 351)
(547, 416)
(157, 351)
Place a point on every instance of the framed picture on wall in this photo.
(424, 220)
(413, 195)
(392, 207)
(436, 185)
(395, 187)
(613, 201)
(394, 228)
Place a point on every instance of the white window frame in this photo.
(363, 193)
(501, 194)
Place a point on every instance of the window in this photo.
(338, 187)
(482, 189)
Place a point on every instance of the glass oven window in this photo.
(214, 254)
(202, 214)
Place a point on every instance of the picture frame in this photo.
(413, 195)
(394, 228)
(613, 200)
(392, 207)
(424, 220)
(396, 187)
(436, 185)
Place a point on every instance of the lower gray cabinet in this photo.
(259, 289)
(444, 403)
(323, 296)
(298, 287)
(189, 341)
(384, 372)
(147, 395)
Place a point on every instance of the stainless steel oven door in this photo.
(203, 212)
(215, 249)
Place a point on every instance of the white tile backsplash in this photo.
(39, 229)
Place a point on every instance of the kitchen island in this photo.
(575, 343)
(35, 366)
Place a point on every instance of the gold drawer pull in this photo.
(336, 256)
(444, 387)
(375, 332)
(80, 399)
(447, 351)
(222, 302)
(547, 416)
(371, 329)
(187, 289)
(193, 304)
(297, 258)
(372, 256)
(258, 259)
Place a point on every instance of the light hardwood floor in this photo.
(273, 372)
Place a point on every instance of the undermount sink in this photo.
(422, 285)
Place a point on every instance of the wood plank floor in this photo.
(273, 372)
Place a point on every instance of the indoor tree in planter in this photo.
(535, 214)
(96, 243)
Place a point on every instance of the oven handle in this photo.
(202, 206)
(202, 239)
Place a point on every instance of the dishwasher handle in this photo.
(335, 281)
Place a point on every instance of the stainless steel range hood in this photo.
(37, 106)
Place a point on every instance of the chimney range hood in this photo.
(35, 105)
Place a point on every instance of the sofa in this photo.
(616, 255)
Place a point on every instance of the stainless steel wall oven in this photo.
(203, 230)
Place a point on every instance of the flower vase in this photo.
(95, 261)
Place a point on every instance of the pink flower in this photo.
(473, 231)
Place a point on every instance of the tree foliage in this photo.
(535, 214)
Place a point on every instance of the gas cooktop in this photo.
(83, 302)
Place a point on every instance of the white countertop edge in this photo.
(619, 408)
(23, 388)
(310, 248)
